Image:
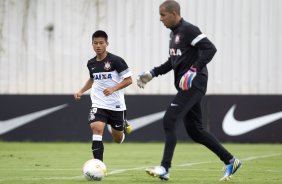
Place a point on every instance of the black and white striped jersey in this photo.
(107, 73)
(188, 46)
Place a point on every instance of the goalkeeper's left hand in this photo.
(186, 80)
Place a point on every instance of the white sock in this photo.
(122, 138)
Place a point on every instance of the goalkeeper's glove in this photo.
(144, 78)
(186, 80)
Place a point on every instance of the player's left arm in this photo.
(123, 84)
(124, 73)
(206, 49)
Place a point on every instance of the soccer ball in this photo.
(94, 169)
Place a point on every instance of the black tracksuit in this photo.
(187, 47)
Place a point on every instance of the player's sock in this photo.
(97, 147)
(122, 138)
(231, 160)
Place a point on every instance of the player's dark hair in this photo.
(100, 33)
(171, 5)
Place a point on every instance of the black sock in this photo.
(98, 149)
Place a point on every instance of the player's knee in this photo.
(196, 135)
(195, 138)
(97, 130)
(169, 121)
(169, 127)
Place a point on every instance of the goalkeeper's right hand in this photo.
(144, 78)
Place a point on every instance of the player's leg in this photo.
(118, 136)
(97, 128)
(170, 124)
(181, 104)
(97, 124)
(194, 127)
(116, 120)
(179, 107)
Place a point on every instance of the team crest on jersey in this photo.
(177, 39)
(107, 65)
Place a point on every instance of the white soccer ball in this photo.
(94, 169)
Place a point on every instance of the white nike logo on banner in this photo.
(11, 124)
(233, 127)
(143, 121)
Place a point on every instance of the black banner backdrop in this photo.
(256, 118)
(246, 118)
(69, 123)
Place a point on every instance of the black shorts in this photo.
(113, 118)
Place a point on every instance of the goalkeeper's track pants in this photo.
(186, 106)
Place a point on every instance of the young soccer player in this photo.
(109, 74)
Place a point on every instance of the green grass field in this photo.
(61, 163)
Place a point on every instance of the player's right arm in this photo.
(86, 87)
(145, 77)
(163, 68)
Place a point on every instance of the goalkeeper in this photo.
(190, 51)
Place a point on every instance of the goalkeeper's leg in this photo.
(194, 127)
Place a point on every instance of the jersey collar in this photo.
(177, 26)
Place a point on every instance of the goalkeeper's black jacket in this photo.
(187, 47)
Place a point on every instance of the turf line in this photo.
(118, 171)
(243, 159)
(263, 156)
(196, 163)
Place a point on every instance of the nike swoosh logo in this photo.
(11, 124)
(143, 121)
(233, 127)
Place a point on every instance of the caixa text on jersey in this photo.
(102, 76)
(175, 52)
